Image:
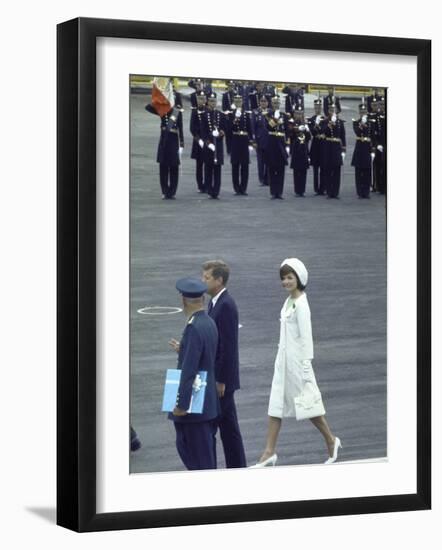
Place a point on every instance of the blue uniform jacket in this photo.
(225, 315)
(259, 128)
(195, 129)
(171, 136)
(334, 143)
(198, 349)
(213, 120)
(364, 145)
(277, 131)
(241, 130)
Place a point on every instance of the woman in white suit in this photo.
(295, 392)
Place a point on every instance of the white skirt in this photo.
(287, 384)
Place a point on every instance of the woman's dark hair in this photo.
(285, 270)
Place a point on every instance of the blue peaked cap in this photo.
(190, 287)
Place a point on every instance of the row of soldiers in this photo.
(278, 137)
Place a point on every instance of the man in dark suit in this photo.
(223, 310)
(196, 433)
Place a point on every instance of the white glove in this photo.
(287, 149)
(309, 161)
(238, 113)
(277, 114)
(215, 133)
(233, 106)
(180, 151)
(343, 156)
(302, 127)
(212, 147)
(364, 119)
(334, 118)
(201, 143)
(250, 149)
(380, 148)
(372, 156)
(318, 119)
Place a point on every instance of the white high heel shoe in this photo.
(271, 461)
(336, 448)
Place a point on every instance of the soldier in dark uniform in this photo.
(228, 106)
(241, 129)
(294, 98)
(277, 148)
(170, 148)
(178, 100)
(379, 134)
(299, 133)
(213, 129)
(363, 153)
(197, 84)
(198, 144)
(331, 99)
(196, 433)
(317, 142)
(333, 152)
(255, 94)
(377, 96)
(260, 133)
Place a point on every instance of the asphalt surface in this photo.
(342, 243)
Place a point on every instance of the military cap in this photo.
(201, 93)
(317, 101)
(190, 287)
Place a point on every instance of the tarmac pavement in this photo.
(342, 242)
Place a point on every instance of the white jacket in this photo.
(293, 360)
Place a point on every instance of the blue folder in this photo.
(171, 389)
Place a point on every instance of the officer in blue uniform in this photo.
(240, 125)
(299, 133)
(379, 134)
(170, 148)
(213, 130)
(198, 85)
(334, 152)
(277, 148)
(196, 433)
(294, 97)
(198, 144)
(378, 95)
(316, 145)
(363, 153)
(260, 134)
(228, 105)
(331, 99)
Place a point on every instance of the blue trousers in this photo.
(196, 444)
(230, 434)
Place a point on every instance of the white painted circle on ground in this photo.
(159, 310)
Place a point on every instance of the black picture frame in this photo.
(77, 287)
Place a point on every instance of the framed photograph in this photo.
(176, 144)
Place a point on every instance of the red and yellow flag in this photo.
(162, 95)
